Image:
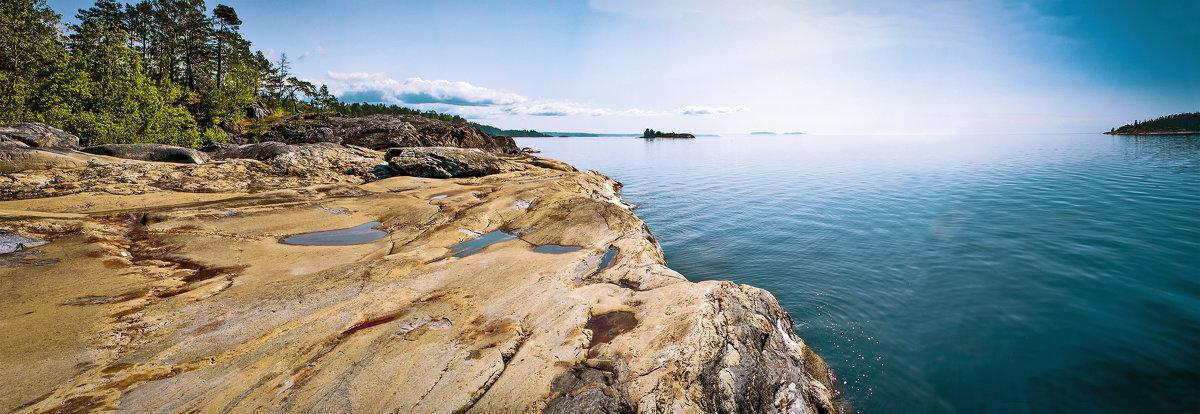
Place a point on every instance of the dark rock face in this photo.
(150, 152)
(442, 162)
(302, 136)
(38, 136)
(261, 151)
(257, 110)
(388, 131)
(585, 389)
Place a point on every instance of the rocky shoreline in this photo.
(145, 286)
(1153, 133)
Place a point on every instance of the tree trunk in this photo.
(220, 86)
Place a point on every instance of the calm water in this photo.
(946, 274)
(362, 233)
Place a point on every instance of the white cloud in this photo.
(554, 108)
(473, 101)
(379, 87)
(641, 112)
(712, 110)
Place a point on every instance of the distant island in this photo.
(497, 132)
(650, 133)
(1188, 123)
(762, 133)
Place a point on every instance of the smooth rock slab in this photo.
(443, 162)
(150, 152)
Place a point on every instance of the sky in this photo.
(720, 66)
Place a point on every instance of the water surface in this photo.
(946, 274)
(477, 244)
(363, 233)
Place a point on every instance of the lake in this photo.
(946, 274)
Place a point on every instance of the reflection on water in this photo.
(363, 233)
(994, 274)
(471, 247)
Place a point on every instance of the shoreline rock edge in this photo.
(157, 293)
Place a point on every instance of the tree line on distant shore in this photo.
(164, 71)
(1189, 122)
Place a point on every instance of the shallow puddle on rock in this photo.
(609, 259)
(445, 194)
(555, 248)
(11, 242)
(360, 234)
(470, 247)
(607, 326)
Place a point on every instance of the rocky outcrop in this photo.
(16, 157)
(156, 293)
(310, 135)
(258, 110)
(249, 168)
(445, 162)
(387, 131)
(303, 160)
(38, 136)
(150, 152)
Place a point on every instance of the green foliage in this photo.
(163, 71)
(1189, 122)
(128, 73)
(29, 54)
(214, 135)
(364, 109)
(493, 131)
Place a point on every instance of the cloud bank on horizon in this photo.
(476, 102)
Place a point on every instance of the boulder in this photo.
(444, 162)
(261, 151)
(258, 110)
(38, 136)
(302, 135)
(150, 152)
(16, 157)
(389, 131)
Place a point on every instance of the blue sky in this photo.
(710, 66)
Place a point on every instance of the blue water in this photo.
(362, 233)
(946, 274)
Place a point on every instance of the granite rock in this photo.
(38, 136)
(150, 152)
